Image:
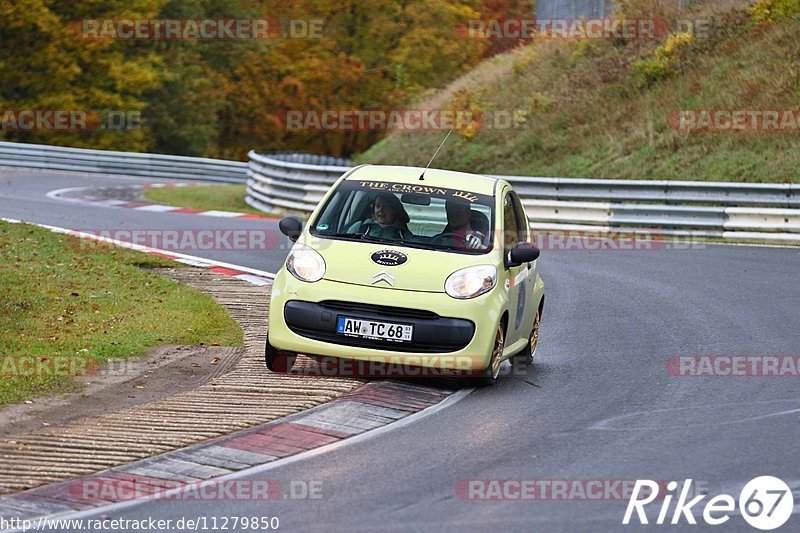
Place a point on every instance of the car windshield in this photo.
(402, 214)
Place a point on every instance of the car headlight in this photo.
(471, 281)
(305, 263)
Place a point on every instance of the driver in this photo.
(459, 231)
(389, 219)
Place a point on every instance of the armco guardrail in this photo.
(291, 182)
(296, 183)
(123, 163)
(743, 211)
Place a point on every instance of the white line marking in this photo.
(56, 194)
(222, 214)
(157, 207)
(193, 262)
(255, 280)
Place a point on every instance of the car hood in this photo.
(424, 270)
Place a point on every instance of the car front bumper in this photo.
(449, 334)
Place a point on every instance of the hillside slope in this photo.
(609, 109)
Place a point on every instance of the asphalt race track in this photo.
(23, 196)
(598, 404)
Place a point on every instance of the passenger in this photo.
(389, 219)
(459, 231)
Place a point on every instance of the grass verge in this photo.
(608, 109)
(213, 197)
(69, 305)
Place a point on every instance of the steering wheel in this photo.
(471, 240)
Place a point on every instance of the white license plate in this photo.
(356, 327)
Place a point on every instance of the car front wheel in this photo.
(525, 357)
(278, 361)
(493, 370)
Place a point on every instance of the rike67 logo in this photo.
(765, 503)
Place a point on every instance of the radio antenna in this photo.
(422, 176)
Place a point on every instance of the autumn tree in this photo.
(220, 98)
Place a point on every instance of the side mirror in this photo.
(291, 227)
(522, 252)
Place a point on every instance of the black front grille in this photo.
(333, 338)
(432, 333)
(338, 306)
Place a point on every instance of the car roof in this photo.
(433, 177)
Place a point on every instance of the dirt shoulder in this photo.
(164, 372)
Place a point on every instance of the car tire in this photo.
(276, 361)
(525, 357)
(492, 371)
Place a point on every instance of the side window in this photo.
(522, 219)
(510, 224)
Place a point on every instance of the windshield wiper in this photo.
(354, 237)
(344, 235)
(370, 238)
(423, 246)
